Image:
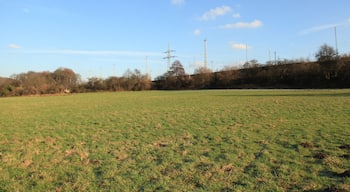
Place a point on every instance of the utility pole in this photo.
(193, 64)
(147, 65)
(100, 71)
(336, 41)
(246, 53)
(205, 54)
(168, 55)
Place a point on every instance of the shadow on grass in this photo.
(334, 175)
(329, 189)
(330, 174)
(288, 93)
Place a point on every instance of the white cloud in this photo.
(197, 32)
(239, 46)
(213, 13)
(14, 46)
(236, 15)
(177, 2)
(253, 24)
(349, 20)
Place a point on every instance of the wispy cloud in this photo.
(177, 2)
(236, 15)
(14, 46)
(317, 29)
(239, 46)
(253, 24)
(197, 32)
(216, 12)
(323, 27)
(47, 10)
(26, 10)
(97, 52)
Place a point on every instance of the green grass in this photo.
(224, 140)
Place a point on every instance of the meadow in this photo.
(217, 140)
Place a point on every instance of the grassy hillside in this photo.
(178, 141)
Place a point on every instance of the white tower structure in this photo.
(147, 66)
(336, 41)
(205, 54)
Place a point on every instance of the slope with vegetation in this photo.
(329, 71)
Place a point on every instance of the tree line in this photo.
(329, 71)
(64, 80)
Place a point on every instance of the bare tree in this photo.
(202, 77)
(135, 81)
(113, 84)
(176, 77)
(95, 84)
(176, 69)
(325, 53)
(65, 79)
(251, 64)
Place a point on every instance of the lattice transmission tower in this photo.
(169, 55)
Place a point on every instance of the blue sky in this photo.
(105, 38)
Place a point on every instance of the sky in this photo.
(105, 38)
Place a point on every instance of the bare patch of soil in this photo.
(320, 155)
(345, 146)
(346, 156)
(306, 145)
(344, 174)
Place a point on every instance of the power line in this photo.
(168, 55)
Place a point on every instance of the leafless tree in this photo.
(202, 78)
(325, 53)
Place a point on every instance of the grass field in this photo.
(222, 140)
